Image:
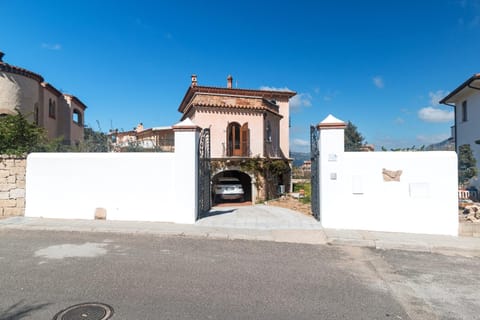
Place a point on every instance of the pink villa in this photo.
(249, 135)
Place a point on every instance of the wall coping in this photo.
(186, 125)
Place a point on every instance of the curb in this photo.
(469, 247)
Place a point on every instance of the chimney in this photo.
(229, 81)
(194, 80)
(139, 127)
(1, 56)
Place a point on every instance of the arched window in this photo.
(237, 139)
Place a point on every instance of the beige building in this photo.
(62, 115)
(249, 134)
(160, 139)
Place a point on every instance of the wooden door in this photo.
(235, 140)
(244, 139)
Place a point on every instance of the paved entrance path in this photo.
(258, 217)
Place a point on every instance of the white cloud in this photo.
(300, 143)
(431, 114)
(435, 138)
(49, 46)
(297, 101)
(301, 100)
(435, 113)
(378, 82)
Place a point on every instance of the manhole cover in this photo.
(86, 311)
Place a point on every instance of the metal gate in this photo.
(204, 192)
(314, 155)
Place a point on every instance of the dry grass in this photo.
(292, 204)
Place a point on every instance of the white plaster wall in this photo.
(130, 186)
(469, 131)
(17, 91)
(184, 186)
(424, 201)
(284, 110)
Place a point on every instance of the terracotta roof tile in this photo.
(266, 94)
(5, 67)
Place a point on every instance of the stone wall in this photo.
(12, 186)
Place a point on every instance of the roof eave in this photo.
(452, 94)
(234, 91)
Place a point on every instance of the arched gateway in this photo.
(226, 180)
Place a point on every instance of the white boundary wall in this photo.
(129, 186)
(354, 195)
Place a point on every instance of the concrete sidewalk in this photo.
(318, 236)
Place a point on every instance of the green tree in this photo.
(18, 136)
(467, 165)
(93, 141)
(353, 139)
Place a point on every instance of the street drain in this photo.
(86, 311)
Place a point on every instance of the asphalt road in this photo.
(152, 277)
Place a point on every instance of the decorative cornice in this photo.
(186, 125)
(266, 94)
(331, 126)
(231, 108)
(330, 122)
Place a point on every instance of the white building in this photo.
(465, 100)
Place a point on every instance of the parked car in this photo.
(228, 188)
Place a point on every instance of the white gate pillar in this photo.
(186, 170)
(331, 146)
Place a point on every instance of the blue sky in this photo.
(381, 64)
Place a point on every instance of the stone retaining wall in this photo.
(12, 186)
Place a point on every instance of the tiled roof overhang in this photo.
(5, 67)
(266, 94)
(236, 106)
(51, 88)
